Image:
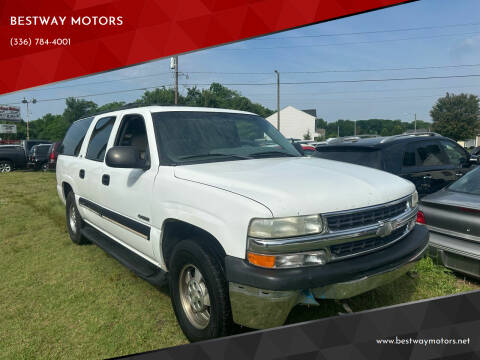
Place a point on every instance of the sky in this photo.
(443, 40)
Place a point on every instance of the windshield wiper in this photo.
(187, 157)
(271, 153)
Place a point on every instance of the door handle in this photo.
(81, 173)
(459, 174)
(106, 179)
(427, 177)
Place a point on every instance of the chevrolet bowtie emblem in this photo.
(384, 229)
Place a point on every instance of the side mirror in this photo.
(125, 157)
(298, 147)
(475, 159)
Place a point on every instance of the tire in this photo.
(74, 221)
(188, 292)
(6, 166)
(45, 167)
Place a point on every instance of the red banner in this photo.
(48, 41)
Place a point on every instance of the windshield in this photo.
(357, 156)
(195, 136)
(469, 183)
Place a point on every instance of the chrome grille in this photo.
(359, 246)
(364, 217)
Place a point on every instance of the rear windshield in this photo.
(43, 150)
(469, 183)
(365, 157)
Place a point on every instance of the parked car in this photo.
(245, 230)
(38, 157)
(308, 150)
(16, 156)
(429, 160)
(453, 217)
(52, 156)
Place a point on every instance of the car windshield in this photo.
(365, 157)
(187, 137)
(469, 183)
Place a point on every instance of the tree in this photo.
(307, 135)
(77, 109)
(456, 116)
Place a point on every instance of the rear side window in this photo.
(99, 139)
(73, 140)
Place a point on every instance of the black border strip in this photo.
(132, 225)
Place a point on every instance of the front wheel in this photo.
(199, 292)
(5, 166)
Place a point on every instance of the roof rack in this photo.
(422, 133)
(126, 107)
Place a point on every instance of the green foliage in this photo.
(307, 135)
(457, 116)
(78, 108)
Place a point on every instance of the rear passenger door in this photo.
(426, 164)
(91, 168)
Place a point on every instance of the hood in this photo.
(300, 185)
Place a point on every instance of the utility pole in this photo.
(355, 128)
(278, 100)
(338, 129)
(415, 122)
(176, 80)
(25, 101)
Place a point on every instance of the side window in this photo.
(132, 132)
(99, 139)
(455, 153)
(73, 140)
(424, 154)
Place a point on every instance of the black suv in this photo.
(429, 160)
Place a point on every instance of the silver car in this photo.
(453, 217)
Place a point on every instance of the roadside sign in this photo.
(10, 113)
(8, 129)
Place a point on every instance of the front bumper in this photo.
(263, 298)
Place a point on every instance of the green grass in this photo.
(60, 300)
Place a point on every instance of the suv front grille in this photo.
(365, 217)
(359, 246)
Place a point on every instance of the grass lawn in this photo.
(60, 300)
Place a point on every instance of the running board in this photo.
(141, 267)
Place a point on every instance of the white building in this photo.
(295, 123)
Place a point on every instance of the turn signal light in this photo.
(421, 218)
(267, 261)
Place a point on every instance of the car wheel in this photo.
(5, 166)
(199, 292)
(74, 221)
(45, 167)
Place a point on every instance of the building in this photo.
(295, 123)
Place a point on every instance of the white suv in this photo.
(223, 207)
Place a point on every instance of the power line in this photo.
(266, 84)
(345, 43)
(263, 73)
(368, 32)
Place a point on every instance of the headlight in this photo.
(288, 260)
(414, 200)
(285, 227)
